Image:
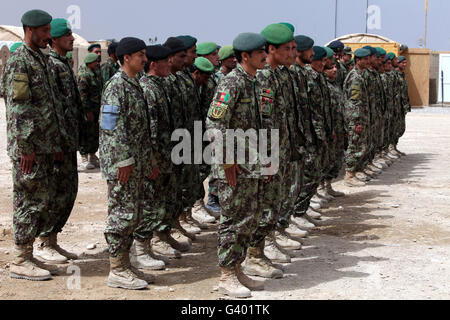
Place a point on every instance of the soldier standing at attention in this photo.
(91, 92)
(65, 171)
(338, 49)
(111, 66)
(127, 159)
(34, 141)
(236, 106)
(227, 61)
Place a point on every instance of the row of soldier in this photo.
(328, 108)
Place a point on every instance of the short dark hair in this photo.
(271, 44)
(238, 55)
(121, 60)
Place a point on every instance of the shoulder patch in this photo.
(218, 110)
(266, 101)
(223, 97)
(356, 91)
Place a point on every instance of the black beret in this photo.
(175, 45)
(92, 46)
(157, 52)
(188, 41)
(304, 43)
(36, 18)
(336, 46)
(130, 45)
(112, 48)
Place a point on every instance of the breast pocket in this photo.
(21, 87)
(109, 117)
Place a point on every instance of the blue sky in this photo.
(220, 21)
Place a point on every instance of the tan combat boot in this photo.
(230, 285)
(351, 181)
(322, 192)
(188, 226)
(401, 153)
(47, 252)
(253, 285)
(257, 264)
(295, 232)
(164, 249)
(302, 223)
(23, 266)
(121, 276)
(273, 252)
(180, 244)
(361, 176)
(142, 258)
(369, 173)
(285, 242)
(200, 213)
(54, 243)
(374, 169)
(331, 191)
(313, 214)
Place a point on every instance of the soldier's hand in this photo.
(58, 156)
(230, 175)
(125, 173)
(90, 117)
(155, 174)
(27, 161)
(359, 129)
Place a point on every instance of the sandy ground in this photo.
(388, 240)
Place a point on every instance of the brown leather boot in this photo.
(230, 285)
(23, 266)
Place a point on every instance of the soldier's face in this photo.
(178, 60)
(307, 56)
(293, 54)
(93, 65)
(65, 42)
(136, 61)
(230, 63)
(329, 63)
(256, 59)
(388, 66)
(191, 55)
(97, 51)
(214, 58)
(373, 60)
(201, 78)
(282, 54)
(347, 58)
(162, 68)
(40, 36)
(363, 63)
(402, 65)
(332, 72)
(394, 63)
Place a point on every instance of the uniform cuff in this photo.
(126, 163)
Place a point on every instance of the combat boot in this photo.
(23, 266)
(189, 219)
(369, 173)
(229, 284)
(121, 275)
(314, 214)
(361, 176)
(163, 249)
(167, 237)
(315, 205)
(253, 285)
(143, 259)
(54, 243)
(200, 213)
(86, 163)
(322, 202)
(213, 206)
(272, 251)
(378, 165)
(393, 151)
(322, 192)
(285, 242)
(257, 264)
(391, 156)
(190, 229)
(295, 232)
(351, 181)
(302, 223)
(374, 169)
(401, 153)
(94, 160)
(331, 191)
(47, 252)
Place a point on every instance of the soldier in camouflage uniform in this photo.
(357, 118)
(65, 171)
(227, 61)
(236, 105)
(388, 85)
(338, 49)
(34, 141)
(127, 160)
(405, 105)
(111, 66)
(90, 88)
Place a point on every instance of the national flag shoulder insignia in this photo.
(223, 97)
(267, 93)
(218, 110)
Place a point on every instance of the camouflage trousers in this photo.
(161, 206)
(192, 184)
(32, 194)
(125, 207)
(90, 137)
(357, 151)
(387, 132)
(65, 180)
(292, 187)
(241, 212)
(338, 150)
(213, 186)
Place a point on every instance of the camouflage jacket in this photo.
(376, 94)
(207, 92)
(90, 87)
(108, 69)
(176, 90)
(388, 86)
(356, 108)
(191, 94)
(404, 93)
(125, 128)
(319, 105)
(31, 113)
(342, 73)
(337, 107)
(161, 119)
(236, 105)
(69, 100)
(395, 78)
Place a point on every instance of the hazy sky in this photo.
(220, 21)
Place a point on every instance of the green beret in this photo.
(60, 27)
(36, 18)
(371, 50)
(401, 58)
(248, 42)
(304, 43)
(15, 46)
(205, 48)
(225, 52)
(319, 53)
(290, 26)
(90, 57)
(69, 55)
(330, 52)
(204, 65)
(381, 51)
(391, 55)
(362, 53)
(188, 41)
(93, 46)
(278, 34)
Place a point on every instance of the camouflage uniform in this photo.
(356, 112)
(90, 87)
(404, 106)
(124, 141)
(108, 69)
(164, 200)
(65, 173)
(342, 74)
(388, 85)
(32, 126)
(235, 106)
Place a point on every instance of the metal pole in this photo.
(426, 22)
(442, 85)
(335, 19)
(367, 13)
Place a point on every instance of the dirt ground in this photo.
(388, 240)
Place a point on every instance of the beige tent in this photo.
(358, 40)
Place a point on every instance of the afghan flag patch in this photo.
(218, 110)
(223, 97)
